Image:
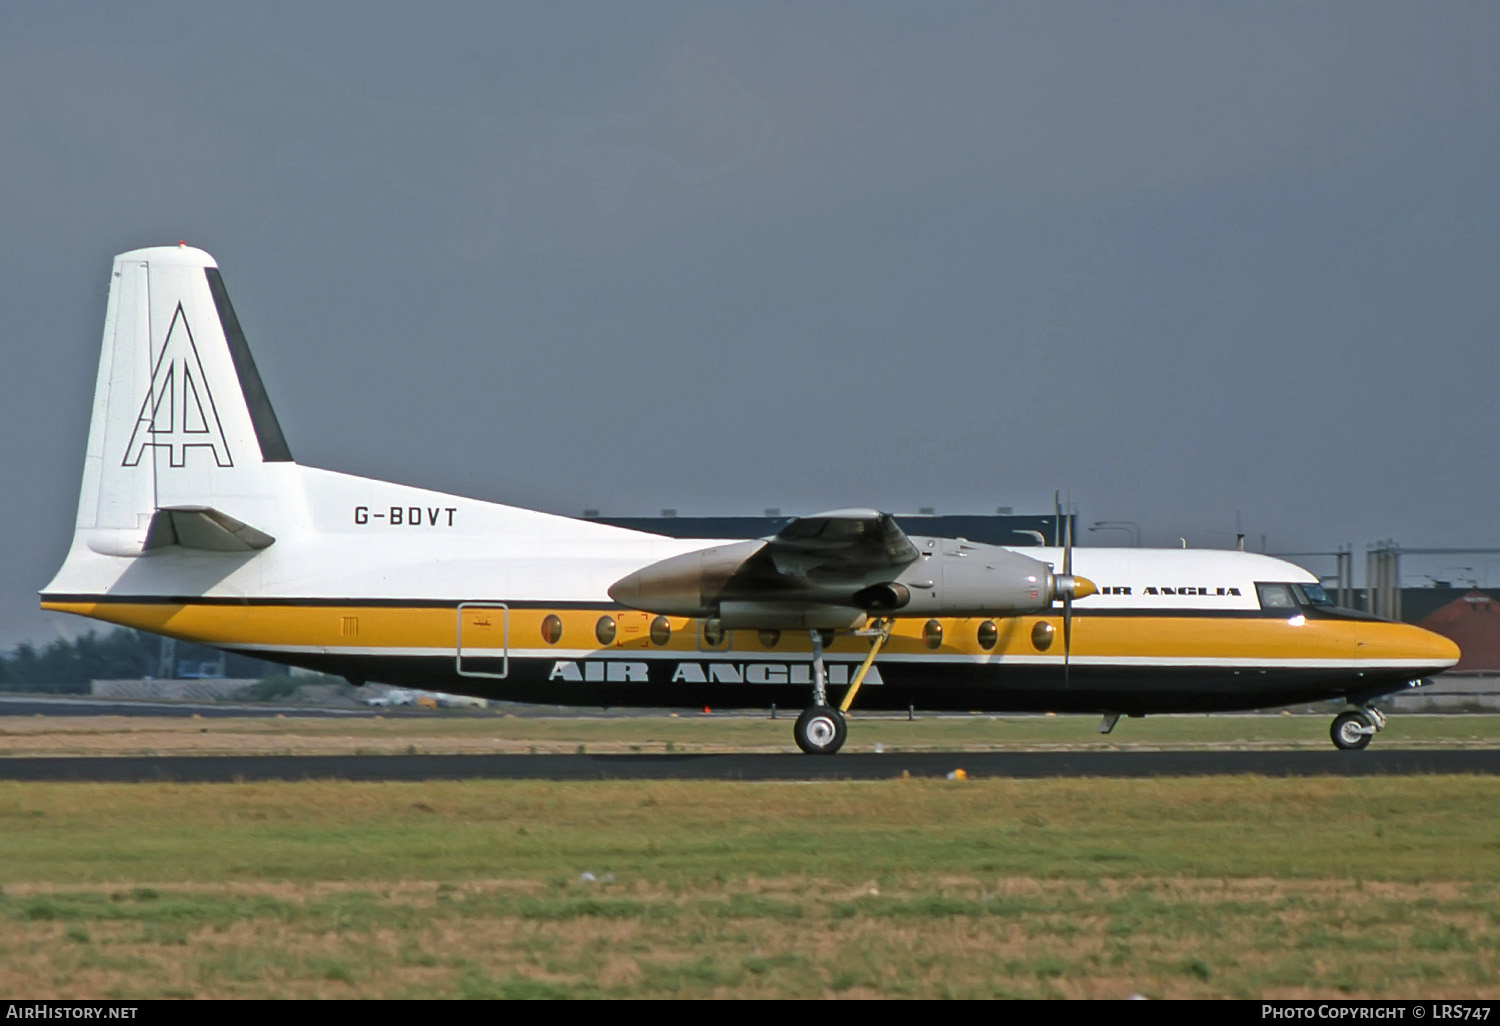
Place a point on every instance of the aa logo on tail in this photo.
(178, 412)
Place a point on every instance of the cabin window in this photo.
(769, 638)
(826, 636)
(988, 635)
(932, 634)
(713, 632)
(1276, 596)
(552, 629)
(661, 630)
(1042, 635)
(604, 630)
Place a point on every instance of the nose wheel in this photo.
(1353, 730)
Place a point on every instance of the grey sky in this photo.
(1183, 260)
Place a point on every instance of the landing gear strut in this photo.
(1354, 729)
(821, 729)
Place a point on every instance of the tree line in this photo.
(66, 666)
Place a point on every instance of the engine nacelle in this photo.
(883, 599)
(958, 578)
(692, 584)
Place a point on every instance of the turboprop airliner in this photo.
(195, 522)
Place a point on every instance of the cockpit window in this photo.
(1313, 594)
(1276, 596)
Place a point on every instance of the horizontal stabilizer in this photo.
(205, 528)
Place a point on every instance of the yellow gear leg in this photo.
(880, 639)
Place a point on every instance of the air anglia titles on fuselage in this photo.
(621, 671)
(1125, 589)
(408, 516)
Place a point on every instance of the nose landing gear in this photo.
(1353, 730)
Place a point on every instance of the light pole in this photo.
(1239, 537)
(1129, 526)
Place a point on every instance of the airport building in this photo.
(1001, 528)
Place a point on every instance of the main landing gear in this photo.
(822, 729)
(1354, 729)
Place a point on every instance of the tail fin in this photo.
(181, 418)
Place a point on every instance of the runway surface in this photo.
(848, 766)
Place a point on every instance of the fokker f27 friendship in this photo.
(195, 522)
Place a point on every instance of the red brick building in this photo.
(1471, 620)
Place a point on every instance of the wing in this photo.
(842, 545)
(816, 561)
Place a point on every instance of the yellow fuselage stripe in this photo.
(392, 629)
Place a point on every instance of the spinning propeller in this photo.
(1069, 587)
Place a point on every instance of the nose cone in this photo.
(1083, 587)
(1406, 646)
(1443, 650)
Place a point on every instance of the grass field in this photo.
(1214, 887)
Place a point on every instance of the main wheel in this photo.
(1352, 730)
(820, 730)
